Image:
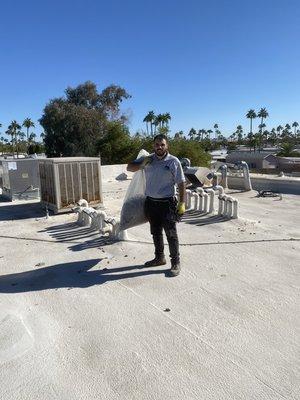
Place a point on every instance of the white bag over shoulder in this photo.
(133, 212)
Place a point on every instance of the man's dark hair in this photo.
(160, 136)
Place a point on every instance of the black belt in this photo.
(163, 199)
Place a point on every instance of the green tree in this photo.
(179, 135)
(190, 149)
(272, 137)
(116, 146)
(287, 150)
(251, 114)
(73, 125)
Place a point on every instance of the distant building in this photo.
(255, 159)
(218, 155)
(289, 164)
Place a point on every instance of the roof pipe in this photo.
(247, 181)
(235, 209)
(188, 199)
(211, 194)
(221, 208)
(224, 171)
(195, 197)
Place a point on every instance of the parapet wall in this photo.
(284, 184)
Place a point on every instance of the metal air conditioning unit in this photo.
(20, 179)
(66, 180)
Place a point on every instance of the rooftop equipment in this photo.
(20, 179)
(66, 180)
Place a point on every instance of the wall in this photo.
(277, 184)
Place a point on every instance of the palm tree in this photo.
(192, 133)
(167, 118)
(261, 127)
(2, 139)
(150, 118)
(239, 132)
(14, 130)
(279, 129)
(294, 125)
(263, 114)
(251, 114)
(209, 132)
(27, 123)
(146, 119)
(272, 137)
(158, 121)
(216, 127)
(164, 120)
(287, 127)
(199, 135)
(286, 149)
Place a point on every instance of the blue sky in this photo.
(204, 62)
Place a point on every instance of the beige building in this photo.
(255, 159)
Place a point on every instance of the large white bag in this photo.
(133, 209)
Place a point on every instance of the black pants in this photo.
(162, 215)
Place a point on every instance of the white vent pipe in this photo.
(247, 181)
(223, 182)
(235, 209)
(221, 204)
(188, 201)
(211, 194)
(195, 200)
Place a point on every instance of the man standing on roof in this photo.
(163, 172)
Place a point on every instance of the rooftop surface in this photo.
(81, 318)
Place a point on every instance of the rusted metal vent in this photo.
(66, 180)
(198, 176)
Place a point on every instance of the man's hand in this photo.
(147, 160)
(181, 208)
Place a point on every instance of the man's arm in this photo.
(182, 193)
(133, 167)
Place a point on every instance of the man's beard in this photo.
(160, 153)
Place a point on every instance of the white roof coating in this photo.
(81, 318)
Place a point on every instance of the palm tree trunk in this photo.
(27, 134)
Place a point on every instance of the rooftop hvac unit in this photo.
(66, 180)
(20, 179)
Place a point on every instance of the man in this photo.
(163, 172)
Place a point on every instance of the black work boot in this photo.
(175, 268)
(157, 261)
